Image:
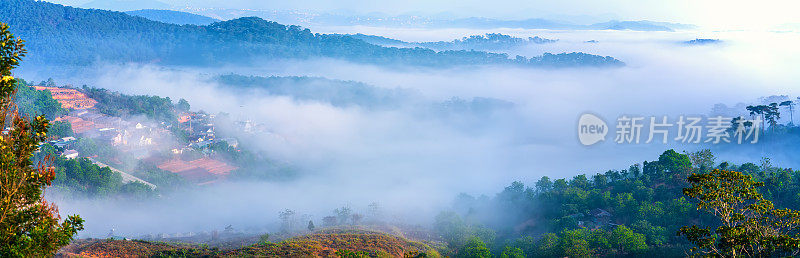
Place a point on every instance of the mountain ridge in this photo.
(58, 34)
(174, 17)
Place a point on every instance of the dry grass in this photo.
(325, 243)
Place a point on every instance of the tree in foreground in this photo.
(747, 223)
(29, 225)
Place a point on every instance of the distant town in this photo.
(145, 140)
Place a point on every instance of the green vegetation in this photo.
(29, 225)
(32, 102)
(82, 178)
(66, 35)
(748, 225)
(173, 17)
(487, 42)
(337, 93)
(490, 41)
(637, 211)
(121, 105)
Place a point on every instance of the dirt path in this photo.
(125, 176)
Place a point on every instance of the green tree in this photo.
(512, 252)
(60, 129)
(547, 246)
(183, 105)
(450, 226)
(678, 165)
(789, 104)
(625, 241)
(748, 224)
(475, 248)
(574, 243)
(29, 225)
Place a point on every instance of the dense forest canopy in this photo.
(630, 212)
(73, 36)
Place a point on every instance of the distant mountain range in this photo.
(174, 17)
(57, 35)
(126, 5)
(310, 19)
(488, 42)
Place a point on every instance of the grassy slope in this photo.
(321, 244)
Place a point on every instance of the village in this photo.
(139, 139)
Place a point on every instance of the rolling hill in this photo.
(60, 35)
(125, 5)
(174, 17)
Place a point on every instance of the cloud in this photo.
(414, 158)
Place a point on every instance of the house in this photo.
(70, 154)
(598, 213)
(600, 216)
(63, 143)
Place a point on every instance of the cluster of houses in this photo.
(201, 132)
(135, 137)
(143, 139)
(65, 147)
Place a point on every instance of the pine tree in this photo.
(29, 225)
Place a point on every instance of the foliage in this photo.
(336, 92)
(174, 17)
(475, 248)
(512, 252)
(29, 225)
(630, 212)
(489, 41)
(344, 253)
(748, 224)
(31, 102)
(82, 178)
(117, 37)
(60, 129)
(121, 105)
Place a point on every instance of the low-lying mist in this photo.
(415, 155)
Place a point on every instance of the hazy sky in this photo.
(710, 13)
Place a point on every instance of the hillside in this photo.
(487, 42)
(174, 17)
(125, 5)
(58, 34)
(331, 243)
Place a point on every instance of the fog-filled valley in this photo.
(453, 133)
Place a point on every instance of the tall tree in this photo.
(747, 223)
(29, 225)
(790, 105)
(759, 110)
(772, 114)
